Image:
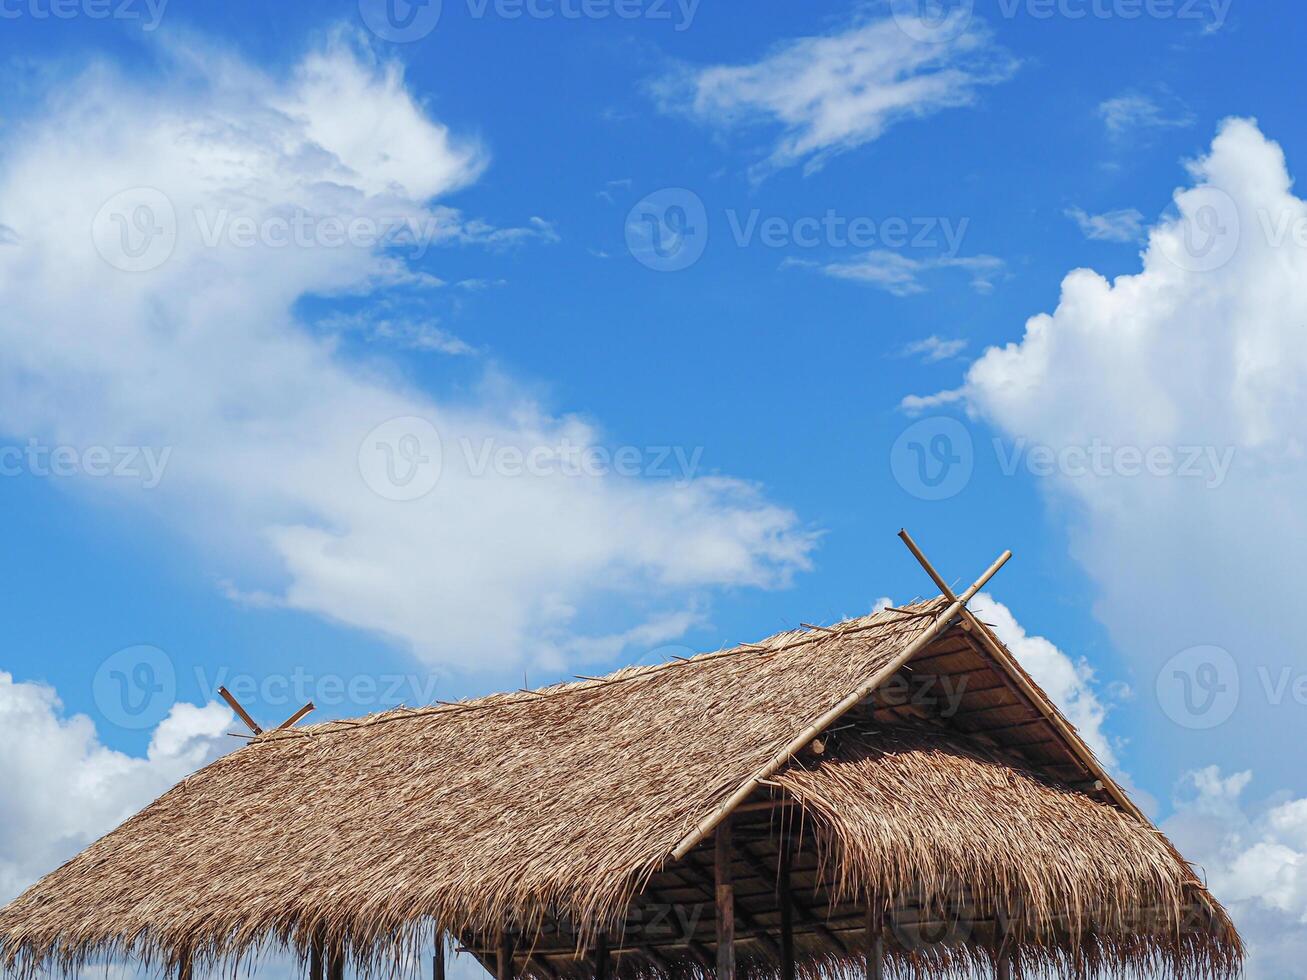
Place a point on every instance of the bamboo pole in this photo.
(725, 903)
(236, 707)
(709, 823)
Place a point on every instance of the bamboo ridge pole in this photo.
(709, 823)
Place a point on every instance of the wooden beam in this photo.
(722, 856)
(797, 907)
(787, 913)
(438, 959)
(743, 920)
(316, 966)
(796, 745)
(336, 964)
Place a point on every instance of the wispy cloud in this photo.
(453, 520)
(609, 191)
(832, 93)
(903, 276)
(933, 349)
(1133, 111)
(1125, 225)
(407, 333)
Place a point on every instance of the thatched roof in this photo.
(557, 810)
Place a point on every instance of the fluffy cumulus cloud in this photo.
(1254, 855)
(1168, 408)
(157, 299)
(1169, 411)
(835, 92)
(66, 788)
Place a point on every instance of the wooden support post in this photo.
(504, 964)
(875, 944)
(603, 959)
(725, 902)
(184, 967)
(315, 961)
(336, 964)
(438, 959)
(1003, 971)
(787, 913)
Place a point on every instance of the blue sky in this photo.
(754, 261)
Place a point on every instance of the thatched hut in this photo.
(890, 796)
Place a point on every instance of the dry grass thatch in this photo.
(375, 835)
(1080, 886)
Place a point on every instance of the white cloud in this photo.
(900, 275)
(1070, 683)
(204, 352)
(65, 788)
(1254, 856)
(1199, 358)
(836, 92)
(1125, 225)
(933, 349)
(1200, 354)
(1132, 111)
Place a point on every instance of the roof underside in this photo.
(946, 798)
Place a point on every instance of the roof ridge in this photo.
(508, 699)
